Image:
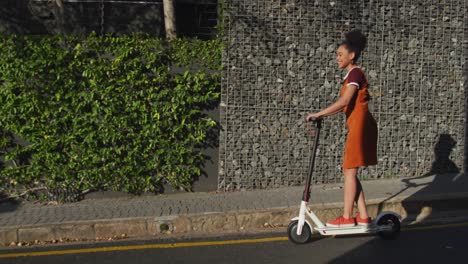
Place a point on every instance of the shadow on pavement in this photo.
(429, 246)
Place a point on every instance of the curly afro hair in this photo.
(355, 42)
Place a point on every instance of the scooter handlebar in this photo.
(315, 119)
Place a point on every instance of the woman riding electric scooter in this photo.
(361, 143)
(360, 150)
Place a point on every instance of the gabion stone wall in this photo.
(280, 65)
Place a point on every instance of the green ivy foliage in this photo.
(105, 113)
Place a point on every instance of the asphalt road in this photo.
(433, 244)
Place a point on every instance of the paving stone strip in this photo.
(213, 212)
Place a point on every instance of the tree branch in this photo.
(23, 193)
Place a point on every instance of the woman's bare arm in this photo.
(338, 105)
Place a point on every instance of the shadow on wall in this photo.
(9, 141)
(447, 179)
(194, 19)
(210, 150)
(7, 205)
(16, 17)
(81, 17)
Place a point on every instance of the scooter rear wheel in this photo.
(391, 221)
(304, 237)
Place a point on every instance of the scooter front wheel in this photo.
(305, 235)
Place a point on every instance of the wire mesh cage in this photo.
(280, 66)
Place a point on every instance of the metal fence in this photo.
(280, 65)
(195, 18)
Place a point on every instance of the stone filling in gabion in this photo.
(280, 65)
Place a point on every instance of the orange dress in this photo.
(361, 142)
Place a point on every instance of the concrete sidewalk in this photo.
(433, 198)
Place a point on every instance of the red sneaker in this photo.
(341, 222)
(363, 221)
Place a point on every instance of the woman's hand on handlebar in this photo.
(313, 116)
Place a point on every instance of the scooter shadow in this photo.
(314, 238)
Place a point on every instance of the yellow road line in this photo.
(140, 247)
(184, 244)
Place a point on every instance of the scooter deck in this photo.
(357, 229)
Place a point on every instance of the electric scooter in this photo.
(386, 224)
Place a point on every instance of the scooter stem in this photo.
(316, 131)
